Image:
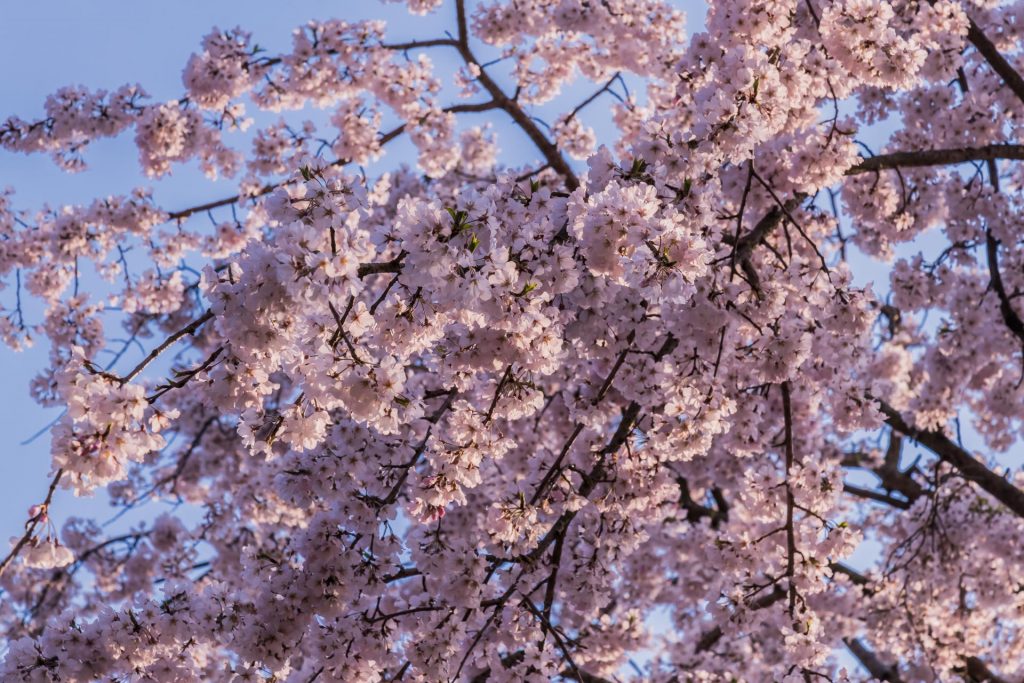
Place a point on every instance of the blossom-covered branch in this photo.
(624, 410)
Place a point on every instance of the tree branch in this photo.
(987, 49)
(969, 467)
(472, 107)
(937, 157)
(551, 153)
(870, 661)
(32, 524)
(188, 329)
(875, 496)
(1010, 317)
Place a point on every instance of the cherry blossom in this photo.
(716, 381)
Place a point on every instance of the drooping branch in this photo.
(969, 467)
(1010, 317)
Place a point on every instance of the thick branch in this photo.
(392, 266)
(854, 490)
(745, 245)
(889, 474)
(1010, 317)
(713, 635)
(870, 661)
(996, 60)
(978, 671)
(970, 467)
(937, 157)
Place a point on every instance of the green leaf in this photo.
(527, 288)
(460, 220)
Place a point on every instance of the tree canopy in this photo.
(625, 414)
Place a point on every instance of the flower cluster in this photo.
(476, 421)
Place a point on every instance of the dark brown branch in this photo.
(713, 635)
(937, 157)
(746, 244)
(889, 474)
(551, 152)
(787, 413)
(987, 49)
(505, 377)
(695, 511)
(392, 266)
(191, 328)
(979, 672)
(1010, 317)
(870, 661)
(876, 496)
(582, 676)
(969, 467)
(417, 44)
(597, 93)
(185, 376)
(855, 576)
